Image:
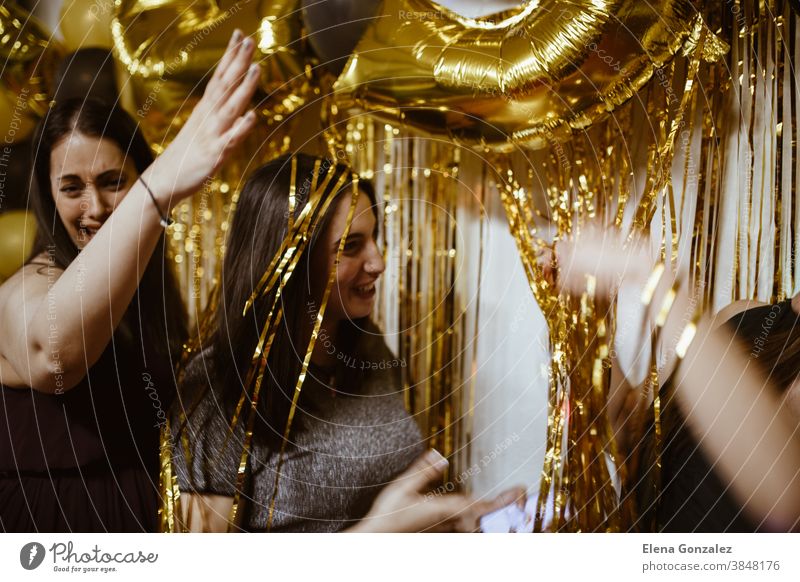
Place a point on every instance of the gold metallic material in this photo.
(169, 49)
(687, 336)
(652, 282)
(86, 23)
(169, 509)
(528, 77)
(29, 58)
(666, 305)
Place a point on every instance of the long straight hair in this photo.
(156, 318)
(258, 228)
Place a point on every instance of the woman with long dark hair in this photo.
(92, 325)
(352, 459)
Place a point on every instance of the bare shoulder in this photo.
(735, 308)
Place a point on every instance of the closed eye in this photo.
(112, 180)
(71, 190)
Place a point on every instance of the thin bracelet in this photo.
(164, 219)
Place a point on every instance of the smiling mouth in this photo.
(87, 232)
(365, 291)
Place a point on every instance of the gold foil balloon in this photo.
(17, 121)
(18, 229)
(527, 77)
(29, 59)
(169, 49)
(86, 23)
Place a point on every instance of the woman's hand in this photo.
(403, 505)
(218, 123)
(604, 255)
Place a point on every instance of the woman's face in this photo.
(361, 263)
(89, 177)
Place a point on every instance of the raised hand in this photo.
(218, 123)
(604, 255)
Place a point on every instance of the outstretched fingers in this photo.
(234, 46)
(239, 100)
(464, 513)
(426, 469)
(235, 71)
(236, 134)
(515, 495)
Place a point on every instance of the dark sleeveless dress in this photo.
(85, 460)
(693, 498)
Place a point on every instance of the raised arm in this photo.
(732, 410)
(56, 323)
(737, 417)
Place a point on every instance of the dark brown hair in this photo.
(259, 226)
(771, 335)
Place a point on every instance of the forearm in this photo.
(738, 419)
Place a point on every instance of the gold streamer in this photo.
(278, 273)
(169, 511)
(312, 343)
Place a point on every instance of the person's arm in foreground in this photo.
(733, 412)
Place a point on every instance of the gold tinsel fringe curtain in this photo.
(712, 146)
(703, 156)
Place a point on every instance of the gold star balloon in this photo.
(170, 48)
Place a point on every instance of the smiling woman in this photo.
(91, 326)
(351, 460)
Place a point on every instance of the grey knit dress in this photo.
(350, 447)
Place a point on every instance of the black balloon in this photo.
(334, 28)
(87, 73)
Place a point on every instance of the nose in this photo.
(96, 208)
(374, 264)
